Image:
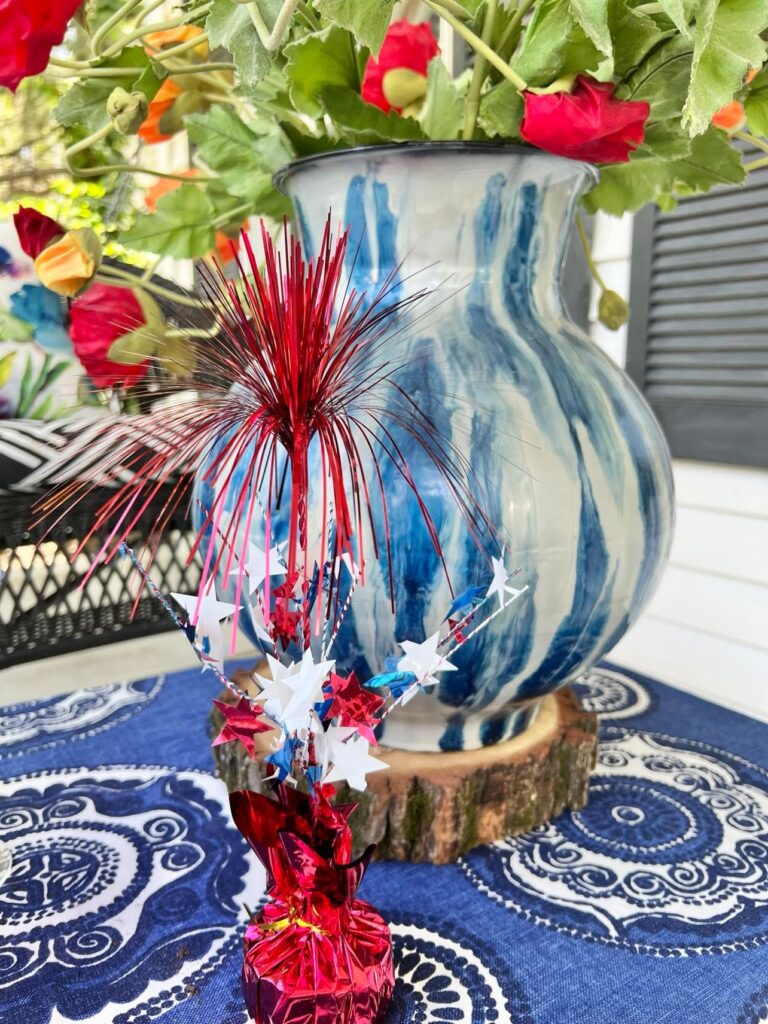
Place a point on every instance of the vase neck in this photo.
(445, 218)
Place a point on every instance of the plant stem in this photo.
(227, 218)
(75, 65)
(124, 279)
(755, 165)
(472, 101)
(192, 332)
(176, 51)
(588, 252)
(103, 31)
(96, 172)
(478, 45)
(55, 72)
(512, 31)
(145, 30)
(89, 141)
(752, 140)
(456, 9)
(147, 275)
(305, 9)
(193, 69)
(271, 41)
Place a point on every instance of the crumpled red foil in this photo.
(315, 954)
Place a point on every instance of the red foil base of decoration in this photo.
(315, 954)
(295, 973)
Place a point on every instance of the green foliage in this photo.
(358, 123)
(727, 44)
(685, 58)
(366, 19)
(230, 25)
(182, 225)
(710, 161)
(443, 113)
(756, 104)
(555, 44)
(85, 104)
(320, 61)
(501, 110)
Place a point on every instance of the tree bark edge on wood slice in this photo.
(433, 807)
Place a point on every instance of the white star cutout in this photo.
(293, 690)
(210, 613)
(351, 762)
(307, 687)
(423, 660)
(256, 566)
(499, 583)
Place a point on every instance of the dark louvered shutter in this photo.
(698, 333)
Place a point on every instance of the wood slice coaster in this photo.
(435, 806)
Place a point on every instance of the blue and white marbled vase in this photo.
(573, 464)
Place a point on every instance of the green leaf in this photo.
(592, 15)
(181, 226)
(554, 45)
(244, 157)
(14, 329)
(367, 20)
(6, 365)
(712, 161)
(85, 103)
(634, 35)
(229, 25)
(756, 104)
(27, 390)
(360, 123)
(662, 80)
(442, 115)
(675, 11)
(318, 61)
(501, 110)
(727, 44)
(133, 347)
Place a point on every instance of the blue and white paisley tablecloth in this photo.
(124, 902)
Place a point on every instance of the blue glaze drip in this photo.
(453, 737)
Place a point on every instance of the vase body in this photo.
(569, 459)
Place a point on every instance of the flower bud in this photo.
(612, 310)
(127, 110)
(403, 87)
(67, 265)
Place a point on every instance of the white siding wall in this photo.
(706, 630)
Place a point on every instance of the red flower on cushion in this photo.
(586, 124)
(97, 318)
(405, 46)
(29, 29)
(35, 230)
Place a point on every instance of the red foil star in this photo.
(241, 722)
(354, 706)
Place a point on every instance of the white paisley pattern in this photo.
(611, 694)
(130, 876)
(670, 855)
(443, 979)
(25, 728)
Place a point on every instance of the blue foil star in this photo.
(282, 759)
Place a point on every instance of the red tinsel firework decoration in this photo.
(298, 361)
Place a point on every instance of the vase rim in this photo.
(428, 146)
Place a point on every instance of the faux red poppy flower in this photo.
(35, 230)
(97, 318)
(585, 124)
(29, 29)
(406, 46)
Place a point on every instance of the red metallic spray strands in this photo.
(300, 359)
